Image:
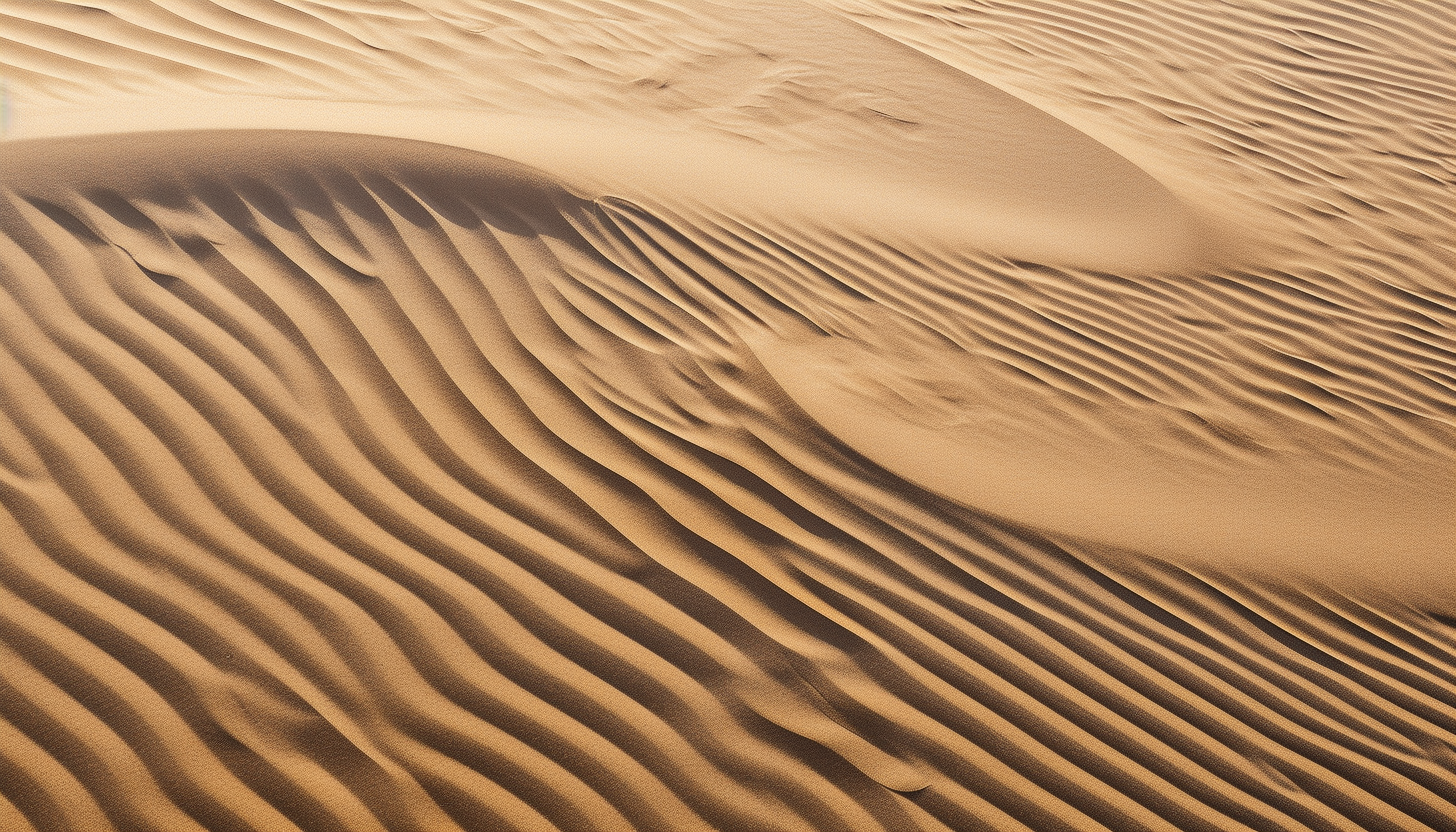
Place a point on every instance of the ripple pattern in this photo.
(369, 484)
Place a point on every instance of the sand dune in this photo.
(521, 432)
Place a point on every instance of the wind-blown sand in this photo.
(637, 416)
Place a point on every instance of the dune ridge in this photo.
(273, 567)
(774, 103)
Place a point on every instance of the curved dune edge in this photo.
(357, 483)
(1288, 520)
(1144, 229)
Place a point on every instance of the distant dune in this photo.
(452, 414)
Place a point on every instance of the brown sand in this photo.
(679, 416)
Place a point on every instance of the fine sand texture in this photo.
(828, 416)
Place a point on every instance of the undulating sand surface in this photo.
(669, 415)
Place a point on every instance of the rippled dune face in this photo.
(458, 415)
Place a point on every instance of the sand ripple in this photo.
(352, 482)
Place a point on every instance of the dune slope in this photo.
(361, 483)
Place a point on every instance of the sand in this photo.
(834, 415)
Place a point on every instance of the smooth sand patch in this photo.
(1275, 518)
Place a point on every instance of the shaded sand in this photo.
(355, 481)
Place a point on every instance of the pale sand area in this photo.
(677, 416)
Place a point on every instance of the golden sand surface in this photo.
(676, 415)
